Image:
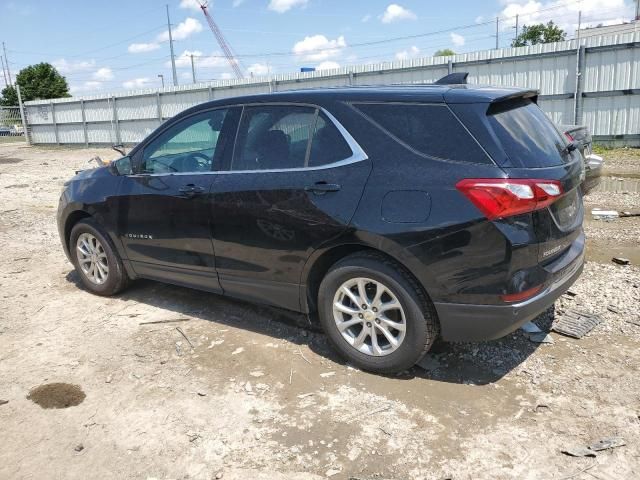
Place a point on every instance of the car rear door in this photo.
(164, 212)
(294, 183)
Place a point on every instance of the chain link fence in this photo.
(12, 125)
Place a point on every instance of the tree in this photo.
(447, 52)
(37, 82)
(539, 33)
(9, 96)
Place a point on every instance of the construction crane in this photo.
(226, 49)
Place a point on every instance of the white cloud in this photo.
(143, 47)
(282, 6)
(137, 83)
(103, 74)
(594, 12)
(318, 48)
(328, 65)
(457, 40)
(409, 53)
(184, 30)
(237, 3)
(366, 18)
(479, 19)
(396, 13)
(190, 4)
(258, 69)
(91, 86)
(65, 67)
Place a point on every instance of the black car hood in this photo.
(92, 173)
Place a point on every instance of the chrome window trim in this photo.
(358, 154)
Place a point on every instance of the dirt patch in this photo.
(7, 161)
(57, 395)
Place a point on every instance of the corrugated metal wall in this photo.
(608, 91)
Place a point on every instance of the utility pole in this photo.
(517, 26)
(173, 57)
(161, 78)
(4, 73)
(637, 10)
(4, 49)
(576, 95)
(193, 69)
(497, 33)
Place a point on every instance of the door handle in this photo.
(320, 188)
(191, 190)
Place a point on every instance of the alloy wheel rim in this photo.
(369, 316)
(92, 259)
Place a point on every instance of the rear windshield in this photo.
(527, 135)
(429, 129)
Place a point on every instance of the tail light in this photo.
(500, 198)
(569, 137)
(521, 296)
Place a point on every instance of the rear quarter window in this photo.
(429, 129)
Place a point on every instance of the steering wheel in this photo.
(204, 161)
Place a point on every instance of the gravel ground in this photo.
(247, 393)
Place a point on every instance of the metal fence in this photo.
(595, 81)
(11, 125)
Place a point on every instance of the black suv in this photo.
(392, 215)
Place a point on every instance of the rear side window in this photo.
(273, 137)
(431, 130)
(527, 135)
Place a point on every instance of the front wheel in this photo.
(95, 259)
(375, 313)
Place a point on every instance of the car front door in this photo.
(164, 218)
(294, 182)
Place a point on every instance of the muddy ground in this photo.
(247, 393)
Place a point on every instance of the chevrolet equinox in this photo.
(392, 215)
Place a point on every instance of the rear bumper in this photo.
(470, 323)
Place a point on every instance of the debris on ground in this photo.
(600, 445)
(621, 261)
(576, 324)
(579, 452)
(607, 443)
(79, 447)
(4, 402)
(534, 334)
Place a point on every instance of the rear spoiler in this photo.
(520, 95)
(460, 78)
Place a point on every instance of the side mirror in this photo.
(122, 166)
(120, 149)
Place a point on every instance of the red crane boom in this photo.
(226, 49)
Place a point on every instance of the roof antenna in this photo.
(458, 78)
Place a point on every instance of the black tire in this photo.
(421, 319)
(117, 278)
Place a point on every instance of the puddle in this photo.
(5, 160)
(604, 251)
(57, 395)
(630, 183)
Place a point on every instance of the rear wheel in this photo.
(375, 313)
(95, 259)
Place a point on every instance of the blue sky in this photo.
(122, 45)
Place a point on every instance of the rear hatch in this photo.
(536, 149)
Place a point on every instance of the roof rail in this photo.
(458, 78)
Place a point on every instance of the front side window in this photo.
(191, 145)
(429, 129)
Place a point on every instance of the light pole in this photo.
(161, 78)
